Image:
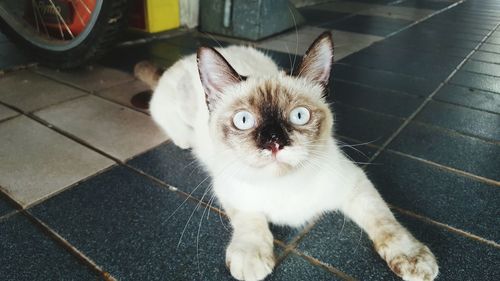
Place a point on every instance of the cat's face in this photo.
(276, 123)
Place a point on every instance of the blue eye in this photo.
(300, 116)
(243, 120)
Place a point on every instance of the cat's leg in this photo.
(405, 255)
(250, 254)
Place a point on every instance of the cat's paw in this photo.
(411, 262)
(250, 261)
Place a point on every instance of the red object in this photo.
(51, 13)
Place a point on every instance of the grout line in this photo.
(429, 98)
(8, 215)
(448, 227)
(434, 164)
(426, 18)
(376, 88)
(447, 168)
(482, 73)
(69, 247)
(465, 106)
(323, 265)
(94, 93)
(456, 133)
(474, 88)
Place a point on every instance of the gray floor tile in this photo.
(345, 7)
(438, 194)
(346, 247)
(482, 67)
(176, 167)
(124, 222)
(461, 119)
(28, 254)
(295, 267)
(5, 206)
(126, 94)
(493, 48)
(114, 129)
(29, 91)
(90, 78)
(477, 99)
(405, 13)
(461, 152)
(36, 162)
(486, 57)
(6, 112)
(477, 81)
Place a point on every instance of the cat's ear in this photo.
(215, 74)
(317, 62)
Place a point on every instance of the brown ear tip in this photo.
(327, 35)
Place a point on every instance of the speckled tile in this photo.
(425, 4)
(112, 128)
(461, 119)
(363, 126)
(346, 247)
(378, 26)
(482, 67)
(5, 206)
(317, 17)
(345, 42)
(90, 78)
(295, 267)
(397, 104)
(494, 40)
(477, 81)
(6, 112)
(493, 48)
(486, 57)
(395, 12)
(428, 66)
(50, 162)
(438, 194)
(28, 254)
(134, 94)
(176, 167)
(29, 91)
(149, 241)
(477, 99)
(344, 7)
(461, 152)
(384, 80)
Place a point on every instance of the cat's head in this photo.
(278, 122)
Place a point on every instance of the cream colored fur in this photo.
(254, 196)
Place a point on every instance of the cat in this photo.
(265, 137)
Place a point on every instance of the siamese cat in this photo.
(265, 137)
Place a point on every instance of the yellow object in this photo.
(162, 15)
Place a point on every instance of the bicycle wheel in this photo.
(63, 33)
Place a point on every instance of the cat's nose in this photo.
(274, 144)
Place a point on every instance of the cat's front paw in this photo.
(250, 261)
(410, 261)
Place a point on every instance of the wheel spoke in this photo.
(35, 4)
(61, 19)
(85, 6)
(77, 13)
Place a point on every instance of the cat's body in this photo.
(266, 163)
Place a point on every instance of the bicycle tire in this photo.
(111, 20)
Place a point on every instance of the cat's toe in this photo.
(248, 261)
(420, 265)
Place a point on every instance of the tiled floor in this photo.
(90, 189)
